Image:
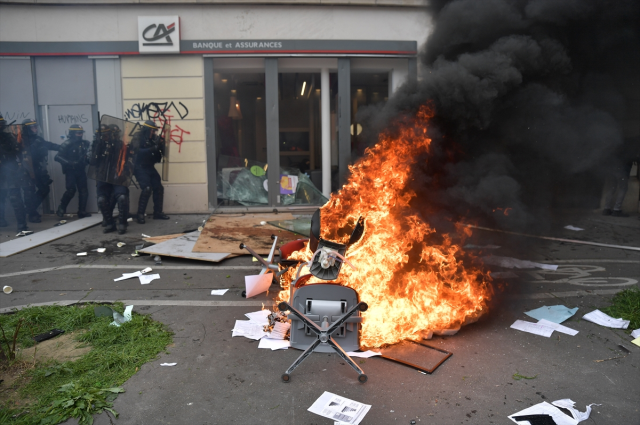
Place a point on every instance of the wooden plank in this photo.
(39, 238)
(182, 247)
(225, 232)
(163, 238)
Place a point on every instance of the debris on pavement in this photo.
(280, 330)
(60, 223)
(134, 274)
(48, 335)
(574, 228)
(636, 333)
(257, 284)
(636, 341)
(511, 263)
(24, 233)
(7, 289)
(274, 344)
(218, 291)
(168, 364)
(340, 409)
(120, 244)
(146, 279)
(558, 327)
(158, 260)
(553, 313)
(533, 328)
(100, 250)
(119, 319)
(363, 354)
(600, 318)
(557, 416)
(81, 254)
(248, 329)
(145, 236)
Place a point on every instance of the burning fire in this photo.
(410, 284)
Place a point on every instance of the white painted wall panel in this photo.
(109, 87)
(16, 90)
(162, 66)
(65, 81)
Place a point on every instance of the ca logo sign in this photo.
(161, 31)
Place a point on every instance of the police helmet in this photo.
(103, 129)
(76, 130)
(3, 123)
(29, 124)
(150, 124)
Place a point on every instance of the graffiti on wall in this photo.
(16, 116)
(161, 113)
(72, 119)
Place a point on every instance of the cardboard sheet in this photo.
(182, 247)
(223, 233)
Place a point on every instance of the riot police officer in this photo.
(149, 152)
(111, 166)
(10, 176)
(39, 150)
(73, 155)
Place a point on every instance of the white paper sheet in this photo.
(545, 408)
(81, 254)
(218, 291)
(600, 318)
(533, 328)
(274, 344)
(364, 354)
(146, 279)
(557, 327)
(279, 330)
(257, 284)
(339, 409)
(635, 334)
(122, 318)
(568, 404)
(570, 227)
(132, 275)
(259, 316)
(511, 263)
(248, 329)
(168, 364)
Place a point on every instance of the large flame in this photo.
(409, 284)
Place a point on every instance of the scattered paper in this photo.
(101, 250)
(119, 319)
(145, 236)
(568, 404)
(511, 263)
(544, 408)
(248, 329)
(553, 313)
(635, 334)
(135, 254)
(558, 327)
(274, 344)
(533, 328)
(340, 409)
(81, 254)
(599, 318)
(120, 244)
(364, 354)
(146, 279)
(218, 291)
(132, 275)
(259, 317)
(168, 364)
(279, 330)
(570, 227)
(255, 260)
(636, 341)
(130, 219)
(257, 284)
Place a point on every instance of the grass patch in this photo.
(55, 391)
(626, 304)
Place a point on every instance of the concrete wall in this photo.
(174, 85)
(223, 22)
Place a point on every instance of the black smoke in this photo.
(531, 100)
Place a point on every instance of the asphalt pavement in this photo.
(224, 380)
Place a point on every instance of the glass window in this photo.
(367, 88)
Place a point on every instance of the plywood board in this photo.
(182, 247)
(39, 238)
(163, 238)
(225, 233)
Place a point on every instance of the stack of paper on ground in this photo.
(363, 354)
(553, 313)
(599, 318)
(254, 329)
(340, 409)
(275, 340)
(549, 319)
(556, 414)
(144, 279)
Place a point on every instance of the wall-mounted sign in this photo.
(159, 34)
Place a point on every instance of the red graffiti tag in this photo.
(177, 133)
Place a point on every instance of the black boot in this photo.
(109, 227)
(123, 213)
(158, 201)
(83, 197)
(66, 198)
(34, 217)
(142, 204)
(18, 208)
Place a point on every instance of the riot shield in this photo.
(25, 150)
(112, 151)
(165, 138)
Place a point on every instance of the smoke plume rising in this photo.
(533, 98)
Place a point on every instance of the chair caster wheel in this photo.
(363, 378)
(285, 377)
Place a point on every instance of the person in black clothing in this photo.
(10, 176)
(39, 150)
(112, 160)
(626, 155)
(149, 151)
(73, 156)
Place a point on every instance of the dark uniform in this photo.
(39, 149)
(10, 176)
(109, 155)
(73, 156)
(149, 152)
